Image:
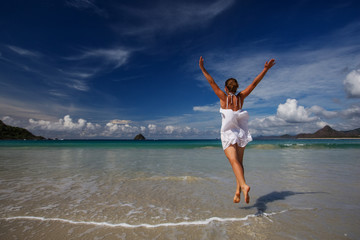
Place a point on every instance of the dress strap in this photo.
(231, 99)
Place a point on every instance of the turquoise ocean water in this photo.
(178, 189)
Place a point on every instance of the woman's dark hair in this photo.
(231, 84)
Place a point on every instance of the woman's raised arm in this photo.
(214, 86)
(256, 81)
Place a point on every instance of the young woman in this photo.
(234, 129)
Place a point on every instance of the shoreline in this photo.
(331, 138)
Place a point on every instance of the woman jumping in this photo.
(234, 127)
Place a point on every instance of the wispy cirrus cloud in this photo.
(114, 57)
(87, 5)
(24, 52)
(169, 16)
(80, 85)
(74, 71)
(19, 109)
(79, 73)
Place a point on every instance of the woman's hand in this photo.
(269, 64)
(214, 86)
(256, 81)
(201, 63)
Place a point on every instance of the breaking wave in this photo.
(141, 225)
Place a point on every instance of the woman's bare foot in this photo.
(237, 197)
(246, 189)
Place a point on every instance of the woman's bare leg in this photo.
(237, 193)
(235, 155)
(240, 153)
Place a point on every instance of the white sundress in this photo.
(234, 128)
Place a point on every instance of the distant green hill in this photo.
(14, 133)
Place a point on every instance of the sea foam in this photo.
(144, 225)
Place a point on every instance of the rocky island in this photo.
(139, 137)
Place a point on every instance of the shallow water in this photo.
(178, 190)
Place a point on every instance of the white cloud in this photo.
(89, 63)
(10, 121)
(268, 122)
(117, 121)
(169, 16)
(352, 84)
(187, 129)
(87, 4)
(79, 85)
(207, 108)
(22, 109)
(319, 111)
(6, 119)
(92, 126)
(152, 128)
(24, 52)
(351, 113)
(79, 74)
(169, 129)
(70, 75)
(290, 118)
(119, 130)
(179, 131)
(64, 124)
(115, 57)
(293, 119)
(292, 113)
(56, 93)
(273, 125)
(321, 124)
(65, 127)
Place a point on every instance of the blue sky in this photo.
(113, 69)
